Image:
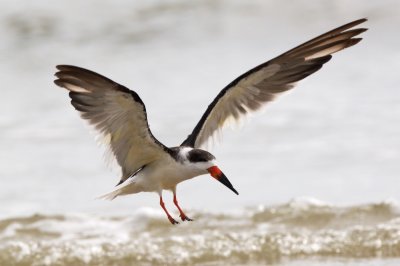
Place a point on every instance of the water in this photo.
(301, 230)
(334, 138)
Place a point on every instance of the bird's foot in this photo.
(172, 220)
(185, 218)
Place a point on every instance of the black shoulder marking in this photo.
(174, 152)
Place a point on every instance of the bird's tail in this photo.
(122, 189)
(109, 196)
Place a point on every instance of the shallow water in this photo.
(334, 138)
(300, 230)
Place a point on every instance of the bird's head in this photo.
(205, 162)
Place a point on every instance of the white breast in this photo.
(166, 174)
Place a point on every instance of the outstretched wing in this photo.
(263, 83)
(117, 113)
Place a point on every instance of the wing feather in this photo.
(262, 84)
(117, 113)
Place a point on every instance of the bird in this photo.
(147, 165)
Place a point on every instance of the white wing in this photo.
(117, 113)
(263, 83)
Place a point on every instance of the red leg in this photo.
(181, 213)
(172, 220)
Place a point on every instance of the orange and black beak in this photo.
(217, 174)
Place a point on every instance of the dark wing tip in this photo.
(361, 30)
(359, 21)
(353, 41)
(61, 73)
(355, 23)
(67, 67)
(59, 83)
(324, 59)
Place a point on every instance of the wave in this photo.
(301, 228)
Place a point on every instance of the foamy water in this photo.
(334, 138)
(290, 233)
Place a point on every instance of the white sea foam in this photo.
(270, 234)
(306, 202)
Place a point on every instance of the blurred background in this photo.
(332, 143)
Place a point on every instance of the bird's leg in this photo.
(172, 220)
(181, 213)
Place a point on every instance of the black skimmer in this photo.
(148, 165)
